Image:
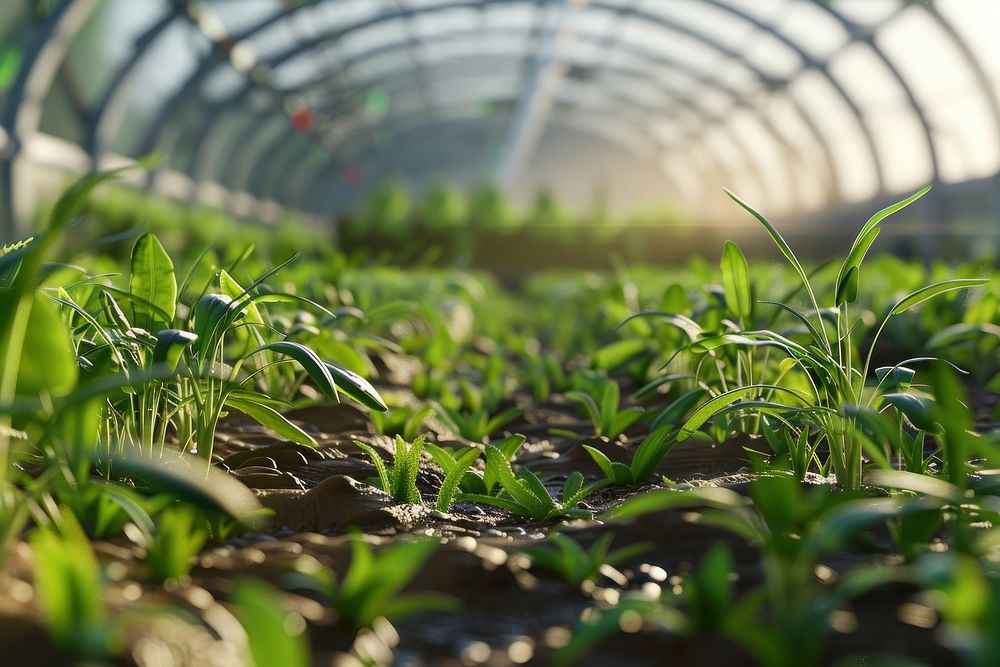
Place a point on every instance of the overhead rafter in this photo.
(546, 71)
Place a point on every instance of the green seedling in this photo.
(200, 357)
(603, 409)
(456, 467)
(525, 495)
(178, 537)
(483, 482)
(371, 587)
(275, 636)
(399, 480)
(644, 462)
(576, 565)
(828, 361)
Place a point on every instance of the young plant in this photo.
(371, 587)
(644, 462)
(603, 409)
(399, 480)
(525, 495)
(794, 529)
(455, 466)
(566, 558)
(179, 536)
(835, 378)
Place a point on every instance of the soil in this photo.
(510, 613)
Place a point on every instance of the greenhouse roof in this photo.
(796, 103)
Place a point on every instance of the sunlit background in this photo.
(815, 111)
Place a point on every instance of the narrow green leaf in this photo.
(588, 403)
(650, 452)
(47, 362)
(602, 461)
(234, 291)
(358, 388)
(709, 408)
(509, 445)
(317, 369)
(667, 499)
(453, 477)
(786, 250)
(189, 478)
(736, 282)
(572, 485)
(498, 421)
(383, 472)
(933, 290)
(674, 412)
(518, 489)
(894, 378)
(272, 419)
(170, 344)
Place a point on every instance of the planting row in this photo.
(831, 427)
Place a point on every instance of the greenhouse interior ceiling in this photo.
(258, 106)
(489, 333)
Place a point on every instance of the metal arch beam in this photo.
(985, 85)
(869, 40)
(814, 131)
(779, 138)
(38, 69)
(278, 160)
(382, 17)
(282, 138)
(529, 118)
(601, 115)
(147, 38)
(716, 45)
(420, 122)
(975, 66)
(100, 113)
(240, 139)
(321, 200)
(979, 73)
(411, 47)
(191, 86)
(247, 153)
(227, 150)
(790, 152)
(655, 112)
(684, 101)
(288, 184)
(613, 40)
(324, 199)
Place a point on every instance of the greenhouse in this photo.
(500, 332)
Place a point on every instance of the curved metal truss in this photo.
(800, 103)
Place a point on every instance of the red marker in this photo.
(302, 119)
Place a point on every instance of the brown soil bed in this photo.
(509, 614)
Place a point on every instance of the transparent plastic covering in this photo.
(800, 105)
